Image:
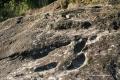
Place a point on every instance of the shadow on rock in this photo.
(40, 52)
(77, 62)
(46, 67)
(80, 45)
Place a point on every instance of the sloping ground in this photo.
(81, 44)
(48, 8)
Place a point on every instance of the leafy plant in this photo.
(11, 8)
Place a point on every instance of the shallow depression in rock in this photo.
(46, 67)
(77, 62)
(80, 45)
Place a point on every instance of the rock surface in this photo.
(78, 44)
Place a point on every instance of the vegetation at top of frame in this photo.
(11, 8)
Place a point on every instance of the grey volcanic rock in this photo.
(84, 46)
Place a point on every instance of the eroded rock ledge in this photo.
(81, 44)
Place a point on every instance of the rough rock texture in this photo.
(79, 44)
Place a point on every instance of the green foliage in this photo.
(11, 8)
(21, 8)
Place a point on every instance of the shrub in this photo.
(11, 8)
